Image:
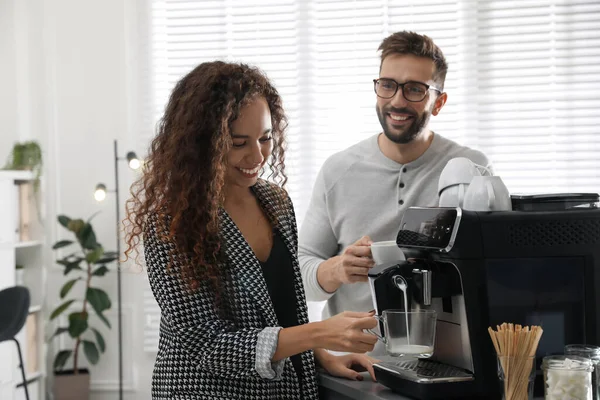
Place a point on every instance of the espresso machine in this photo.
(480, 269)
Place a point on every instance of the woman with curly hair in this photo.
(220, 246)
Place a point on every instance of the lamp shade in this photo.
(100, 192)
(133, 160)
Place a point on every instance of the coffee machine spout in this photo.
(425, 275)
(400, 283)
(390, 288)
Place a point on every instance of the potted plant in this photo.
(26, 156)
(88, 262)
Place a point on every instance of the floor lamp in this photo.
(100, 195)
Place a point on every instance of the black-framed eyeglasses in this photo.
(412, 90)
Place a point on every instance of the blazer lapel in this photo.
(246, 268)
(285, 222)
(279, 212)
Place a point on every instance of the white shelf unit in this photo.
(22, 243)
(29, 243)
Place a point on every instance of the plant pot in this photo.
(68, 386)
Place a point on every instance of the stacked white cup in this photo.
(464, 184)
(455, 180)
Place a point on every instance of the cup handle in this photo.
(491, 195)
(371, 331)
(483, 169)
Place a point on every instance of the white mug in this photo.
(457, 170)
(487, 193)
(386, 252)
(455, 179)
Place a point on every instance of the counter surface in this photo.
(332, 388)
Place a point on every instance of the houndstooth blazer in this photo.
(204, 355)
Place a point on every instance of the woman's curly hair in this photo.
(184, 172)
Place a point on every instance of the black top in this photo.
(278, 272)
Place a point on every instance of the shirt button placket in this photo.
(400, 201)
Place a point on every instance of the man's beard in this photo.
(409, 133)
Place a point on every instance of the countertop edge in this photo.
(359, 390)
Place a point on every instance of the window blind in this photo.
(538, 69)
(523, 79)
(523, 82)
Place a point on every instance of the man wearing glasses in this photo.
(361, 193)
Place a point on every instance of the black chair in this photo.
(14, 308)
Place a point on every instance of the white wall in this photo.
(66, 76)
(8, 111)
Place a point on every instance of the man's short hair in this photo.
(406, 42)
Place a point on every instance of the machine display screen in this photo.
(427, 227)
(549, 292)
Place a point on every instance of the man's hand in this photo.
(355, 262)
(351, 266)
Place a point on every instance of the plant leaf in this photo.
(70, 263)
(59, 310)
(59, 331)
(67, 287)
(61, 358)
(69, 260)
(107, 257)
(99, 339)
(98, 299)
(75, 226)
(62, 243)
(78, 323)
(71, 267)
(87, 237)
(91, 352)
(94, 255)
(64, 220)
(103, 318)
(100, 271)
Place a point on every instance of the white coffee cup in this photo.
(386, 252)
(455, 179)
(458, 170)
(487, 193)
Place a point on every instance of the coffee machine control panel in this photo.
(429, 228)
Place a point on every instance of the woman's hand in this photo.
(347, 366)
(345, 332)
